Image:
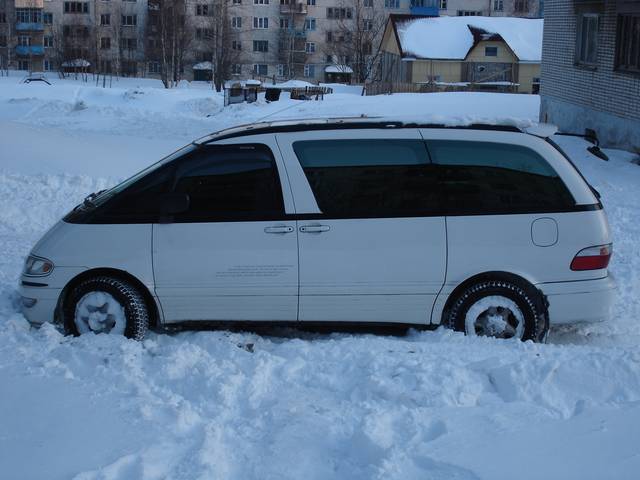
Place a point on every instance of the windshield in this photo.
(102, 197)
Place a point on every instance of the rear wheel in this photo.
(106, 305)
(500, 309)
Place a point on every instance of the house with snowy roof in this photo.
(459, 53)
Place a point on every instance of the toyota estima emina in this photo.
(488, 230)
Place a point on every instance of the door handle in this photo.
(315, 228)
(278, 229)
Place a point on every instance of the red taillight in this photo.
(592, 258)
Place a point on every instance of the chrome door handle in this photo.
(315, 228)
(278, 229)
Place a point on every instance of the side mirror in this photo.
(174, 203)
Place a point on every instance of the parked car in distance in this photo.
(486, 229)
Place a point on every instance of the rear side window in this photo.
(485, 178)
(238, 182)
(369, 178)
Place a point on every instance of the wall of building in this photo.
(575, 97)
(492, 8)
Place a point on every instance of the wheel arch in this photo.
(150, 301)
(491, 275)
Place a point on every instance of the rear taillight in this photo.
(592, 258)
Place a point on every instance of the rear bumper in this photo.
(582, 301)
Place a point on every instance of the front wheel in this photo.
(106, 305)
(500, 309)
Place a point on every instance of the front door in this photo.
(372, 246)
(232, 255)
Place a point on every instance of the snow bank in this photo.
(451, 38)
(285, 404)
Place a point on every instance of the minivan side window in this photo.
(486, 178)
(369, 178)
(229, 182)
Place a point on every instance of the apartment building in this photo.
(492, 8)
(316, 40)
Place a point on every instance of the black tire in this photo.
(529, 300)
(135, 307)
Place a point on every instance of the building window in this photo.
(105, 43)
(48, 41)
(490, 51)
(468, 13)
(260, 69)
(47, 18)
(105, 66)
(391, 3)
(260, 46)
(202, 10)
(24, 40)
(339, 13)
(498, 5)
(236, 22)
(128, 43)
(76, 7)
(310, 47)
(236, 69)
(204, 33)
(154, 67)
(261, 2)
(309, 71)
(237, 2)
(309, 23)
(129, 20)
(3, 17)
(260, 22)
(28, 15)
(367, 25)
(311, 2)
(236, 45)
(628, 43)
(283, 70)
(587, 41)
(521, 6)
(105, 19)
(48, 65)
(284, 23)
(23, 65)
(368, 3)
(443, 4)
(3, 40)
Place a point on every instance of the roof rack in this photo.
(316, 124)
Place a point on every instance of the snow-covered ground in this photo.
(286, 404)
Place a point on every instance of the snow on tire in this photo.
(501, 309)
(106, 305)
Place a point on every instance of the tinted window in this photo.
(478, 177)
(229, 183)
(365, 178)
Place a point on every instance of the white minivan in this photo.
(486, 229)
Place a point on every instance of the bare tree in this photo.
(173, 35)
(218, 36)
(353, 37)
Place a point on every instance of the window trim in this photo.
(578, 61)
(618, 67)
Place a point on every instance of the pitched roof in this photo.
(452, 38)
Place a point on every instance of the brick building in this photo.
(591, 68)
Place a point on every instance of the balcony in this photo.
(29, 27)
(294, 8)
(424, 11)
(31, 50)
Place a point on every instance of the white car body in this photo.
(305, 266)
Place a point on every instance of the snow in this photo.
(451, 38)
(203, 66)
(286, 404)
(338, 69)
(292, 84)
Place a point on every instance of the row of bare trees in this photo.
(172, 35)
